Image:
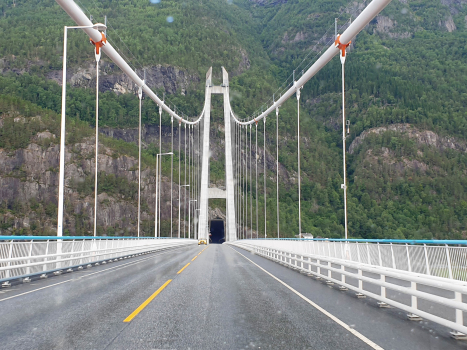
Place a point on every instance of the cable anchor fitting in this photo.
(341, 47)
(98, 45)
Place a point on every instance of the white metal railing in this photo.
(24, 256)
(443, 260)
(395, 274)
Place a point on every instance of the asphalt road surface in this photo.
(217, 297)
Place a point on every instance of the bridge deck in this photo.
(220, 301)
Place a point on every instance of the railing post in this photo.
(82, 253)
(28, 269)
(10, 252)
(414, 304)
(428, 272)
(358, 253)
(448, 257)
(379, 255)
(459, 313)
(408, 257)
(393, 258)
(360, 282)
(342, 274)
(383, 289)
(368, 252)
(46, 253)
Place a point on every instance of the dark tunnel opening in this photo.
(217, 234)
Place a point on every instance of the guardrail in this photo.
(431, 257)
(419, 279)
(22, 257)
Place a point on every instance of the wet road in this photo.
(225, 298)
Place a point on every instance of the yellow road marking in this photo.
(148, 300)
(194, 258)
(183, 268)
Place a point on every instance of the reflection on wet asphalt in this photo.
(219, 301)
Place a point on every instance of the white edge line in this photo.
(81, 277)
(35, 290)
(319, 308)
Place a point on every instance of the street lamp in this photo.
(157, 192)
(179, 203)
(189, 217)
(61, 182)
(196, 233)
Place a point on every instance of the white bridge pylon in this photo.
(205, 194)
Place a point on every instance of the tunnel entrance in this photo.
(217, 231)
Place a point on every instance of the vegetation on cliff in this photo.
(407, 66)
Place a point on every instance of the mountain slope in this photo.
(406, 67)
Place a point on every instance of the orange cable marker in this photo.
(99, 44)
(340, 46)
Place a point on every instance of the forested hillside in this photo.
(405, 81)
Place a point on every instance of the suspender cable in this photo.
(98, 57)
(184, 196)
(343, 47)
(179, 175)
(264, 173)
(140, 96)
(256, 186)
(236, 181)
(160, 167)
(277, 169)
(240, 182)
(245, 179)
(189, 181)
(156, 182)
(171, 176)
(298, 158)
(251, 190)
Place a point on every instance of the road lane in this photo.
(222, 301)
(85, 313)
(389, 328)
(219, 301)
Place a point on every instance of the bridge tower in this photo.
(206, 192)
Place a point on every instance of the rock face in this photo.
(422, 137)
(29, 187)
(170, 79)
(269, 2)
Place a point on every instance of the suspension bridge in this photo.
(140, 292)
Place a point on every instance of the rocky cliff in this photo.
(29, 187)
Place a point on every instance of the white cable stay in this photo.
(370, 12)
(77, 15)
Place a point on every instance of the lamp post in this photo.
(184, 235)
(197, 216)
(189, 217)
(157, 192)
(61, 181)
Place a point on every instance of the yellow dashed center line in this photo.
(156, 293)
(183, 268)
(148, 300)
